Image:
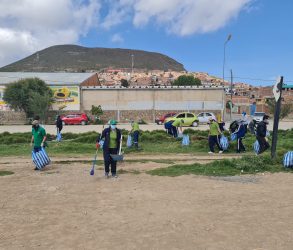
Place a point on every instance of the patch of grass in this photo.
(244, 165)
(3, 172)
(123, 171)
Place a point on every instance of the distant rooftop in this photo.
(48, 78)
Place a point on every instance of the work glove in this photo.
(42, 144)
(97, 145)
(31, 144)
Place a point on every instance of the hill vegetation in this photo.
(73, 58)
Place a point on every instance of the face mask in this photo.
(113, 126)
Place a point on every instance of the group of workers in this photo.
(112, 139)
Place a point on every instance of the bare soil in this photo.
(63, 207)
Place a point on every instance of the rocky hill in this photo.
(73, 58)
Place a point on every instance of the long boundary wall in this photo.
(147, 103)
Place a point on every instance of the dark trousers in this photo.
(240, 146)
(59, 129)
(263, 144)
(214, 139)
(110, 162)
(135, 138)
(175, 131)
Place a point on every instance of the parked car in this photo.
(257, 117)
(203, 117)
(187, 119)
(162, 119)
(74, 119)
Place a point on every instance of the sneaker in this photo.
(211, 152)
(114, 175)
(221, 152)
(107, 175)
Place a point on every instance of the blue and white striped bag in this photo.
(288, 160)
(233, 137)
(224, 142)
(256, 147)
(40, 158)
(185, 140)
(129, 141)
(59, 137)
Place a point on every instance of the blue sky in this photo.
(192, 32)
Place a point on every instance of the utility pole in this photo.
(278, 95)
(231, 92)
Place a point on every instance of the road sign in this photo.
(276, 89)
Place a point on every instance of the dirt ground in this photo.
(63, 207)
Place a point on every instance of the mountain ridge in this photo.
(75, 58)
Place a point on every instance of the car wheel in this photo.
(83, 123)
(195, 124)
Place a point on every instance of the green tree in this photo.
(97, 112)
(30, 95)
(286, 108)
(187, 80)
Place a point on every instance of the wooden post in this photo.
(276, 120)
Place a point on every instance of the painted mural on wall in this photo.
(66, 97)
(3, 105)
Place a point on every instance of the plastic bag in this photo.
(288, 160)
(129, 141)
(224, 142)
(185, 140)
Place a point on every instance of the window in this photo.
(190, 115)
(201, 115)
(181, 116)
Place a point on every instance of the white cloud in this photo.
(27, 26)
(31, 25)
(181, 17)
(117, 38)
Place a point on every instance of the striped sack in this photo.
(59, 136)
(224, 142)
(256, 146)
(185, 140)
(129, 141)
(288, 160)
(40, 158)
(233, 137)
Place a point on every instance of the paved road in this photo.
(81, 129)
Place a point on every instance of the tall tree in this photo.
(187, 80)
(30, 95)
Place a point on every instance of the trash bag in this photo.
(59, 137)
(180, 135)
(288, 160)
(233, 137)
(256, 147)
(185, 140)
(224, 142)
(129, 141)
(234, 126)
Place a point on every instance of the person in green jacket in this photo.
(135, 133)
(214, 136)
(38, 136)
(177, 123)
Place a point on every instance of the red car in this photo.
(74, 119)
(161, 120)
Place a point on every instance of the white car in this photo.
(258, 116)
(204, 117)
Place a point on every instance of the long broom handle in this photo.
(120, 145)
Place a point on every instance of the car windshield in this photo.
(259, 114)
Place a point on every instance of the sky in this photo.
(193, 32)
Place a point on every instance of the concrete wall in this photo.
(158, 99)
(148, 103)
(12, 117)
